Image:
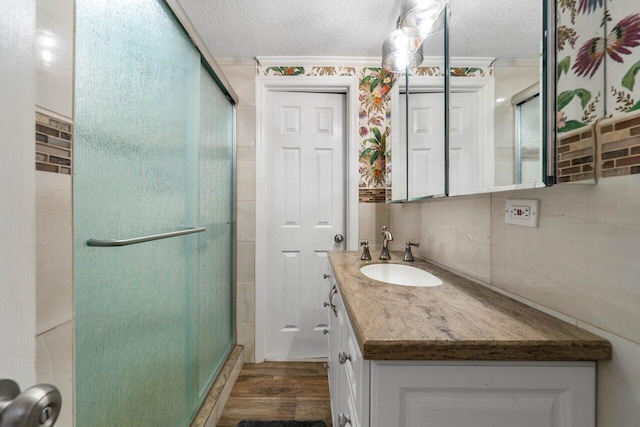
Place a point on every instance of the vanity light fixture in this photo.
(418, 18)
(400, 51)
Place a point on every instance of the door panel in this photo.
(466, 144)
(425, 144)
(305, 210)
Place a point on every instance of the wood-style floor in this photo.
(279, 391)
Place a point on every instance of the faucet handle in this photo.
(408, 256)
(366, 255)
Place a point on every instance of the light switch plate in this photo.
(522, 212)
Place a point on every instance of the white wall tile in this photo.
(246, 302)
(246, 125)
(54, 55)
(54, 365)
(54, 250)
(618, 389)
(406, 225)
(246, 337)
(246, 221)
(246, 262)
(246, 181)
(582, 261)
(242, 79)
(371, 218)
(246, 153)
(456, 232)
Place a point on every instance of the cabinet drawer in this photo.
(350, 413)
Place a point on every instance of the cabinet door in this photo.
(482, 395)
(337, 380)
(357, 373)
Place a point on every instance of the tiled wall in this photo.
(576, 156)
(54, 235)
(610, 147)
(54, 144)
(241, 74)
(619, 145)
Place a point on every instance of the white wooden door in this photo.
(425, 144)
(466, 144)
(305, 211)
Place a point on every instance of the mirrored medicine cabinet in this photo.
(478, 114)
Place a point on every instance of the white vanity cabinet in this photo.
(379, 393)
(349, 373)
(482, 394)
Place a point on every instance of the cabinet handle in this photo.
(333, 307)
(343, 357)
(343, 420)
(325, 331)
(334, 291)
(325, 276)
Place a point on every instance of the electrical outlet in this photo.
(522, 212)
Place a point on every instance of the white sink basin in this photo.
(397, 274)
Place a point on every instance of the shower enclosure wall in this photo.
(154, 154)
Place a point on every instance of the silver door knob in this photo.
(35, 407)
(343, 357)
(338, 238)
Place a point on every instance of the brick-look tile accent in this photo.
(54, 144)
(372, 195)
(576, 156)
(619, 145)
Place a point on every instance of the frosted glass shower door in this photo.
(215, 252)
(154, 320)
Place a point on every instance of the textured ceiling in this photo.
(250, 28)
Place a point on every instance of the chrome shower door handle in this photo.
(338, 238)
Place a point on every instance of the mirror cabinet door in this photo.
(418, 117)
(495, 103)
(397, 187)
(425, 114)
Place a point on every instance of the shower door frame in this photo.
(312, 84)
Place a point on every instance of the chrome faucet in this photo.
(408, 256)
(386, 238)
(366, 256)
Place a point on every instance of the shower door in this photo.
(153, 155)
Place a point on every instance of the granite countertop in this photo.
(458, 320)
